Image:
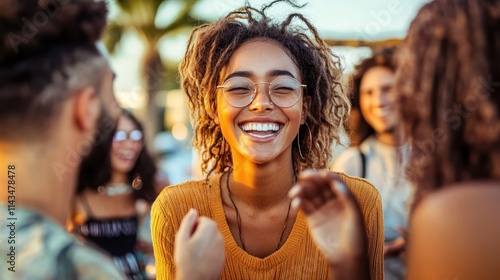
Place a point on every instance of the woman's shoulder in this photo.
(460, 218)
(361, 188)
(194, 193)
(188, 188)
(466, 198)
(471, 207)
(348, 154)
(349, 162)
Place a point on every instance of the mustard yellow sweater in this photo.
(298, 258)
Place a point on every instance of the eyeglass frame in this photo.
(128, 135)
(268, 91)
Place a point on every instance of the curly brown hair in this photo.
(381, 58)
(209, 50)
(47, 51)
(448, 90)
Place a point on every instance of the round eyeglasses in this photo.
(241, 91)
(122, 135)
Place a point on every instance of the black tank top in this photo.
(118, 237)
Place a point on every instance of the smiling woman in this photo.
(114, 182)
(263, 61)
(258, 92)
(380, 152)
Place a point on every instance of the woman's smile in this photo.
(263, 129)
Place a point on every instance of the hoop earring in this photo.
(298, 140)
(137, 182)
(224, 157)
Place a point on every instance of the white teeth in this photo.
(382, 112)
(261, 127)
(127, 154)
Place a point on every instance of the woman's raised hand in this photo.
(335, 222)
(199, 248)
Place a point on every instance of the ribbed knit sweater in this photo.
(298, 258)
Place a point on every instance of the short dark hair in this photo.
(449, 93)
(209, 50)
(96, 169)
(47, 51)
(384, 57)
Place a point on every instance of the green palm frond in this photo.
(113, 35)
(126, 5)
(138, 13)
(140, 16)
(184, 14)
(187, 21)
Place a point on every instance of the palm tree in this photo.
(139, 16)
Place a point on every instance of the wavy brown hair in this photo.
(448, 86)
(209, 50)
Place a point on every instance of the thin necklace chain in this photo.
(238, 217)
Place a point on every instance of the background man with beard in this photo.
(379, 151)
(56, 101)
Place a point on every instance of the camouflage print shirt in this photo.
(38, 248)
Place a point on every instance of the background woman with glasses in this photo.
(266, 104)
(116, 189)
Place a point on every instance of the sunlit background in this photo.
(147, 39)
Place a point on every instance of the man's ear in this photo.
(86, 109)
(305, 109)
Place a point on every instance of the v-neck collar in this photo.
(233, 251)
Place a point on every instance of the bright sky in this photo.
(340, 19)
(369, 19)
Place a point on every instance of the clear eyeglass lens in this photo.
(135, 135)
(120, 135)
(285, 92)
